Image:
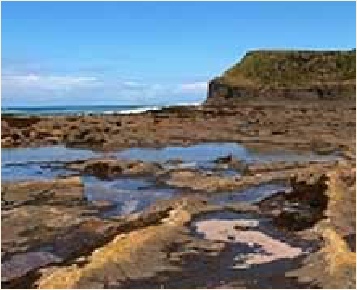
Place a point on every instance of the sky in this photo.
(133, 53)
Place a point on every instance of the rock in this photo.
(174, 161)
(20, 265)
(44, 133)
(246, 224)
(16, 136)
(224, 159)
(53, 140)
(231, 162)
(57, 133)
(65, 191)
(199, 181)
(164, 127)
(326, 150)
(102, 204)
(33, 134)
(83, 238)
(141, 253)
(231, 237)
(112, 168)
(296, 219)
(36, 224)
(311, 191)
(263, 80)
(6, 141)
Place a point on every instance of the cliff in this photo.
(287, 74)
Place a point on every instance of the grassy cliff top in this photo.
(292, 68)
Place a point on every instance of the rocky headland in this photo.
(290, 75)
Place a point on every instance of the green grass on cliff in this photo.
(292, 68)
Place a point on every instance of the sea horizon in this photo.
(49, 110)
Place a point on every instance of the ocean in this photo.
(81, 110)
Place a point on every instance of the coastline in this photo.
(156, 193)
(260, 124)
(176, 194)
(43, 111)
(178, 145)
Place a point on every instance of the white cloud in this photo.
(31, 88)
(196, 87)
(47, 82)
(133, 85)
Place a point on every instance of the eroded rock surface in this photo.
(53, 237)
(112, 168)
(334, 266)
(284, 124)
(63, 191)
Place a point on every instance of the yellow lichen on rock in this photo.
(117, 251)
(124, 251)
(61, 278)
(335, 188)
(337, 251)
(339, 192)
(341, 216)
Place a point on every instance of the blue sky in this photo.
(59, 53)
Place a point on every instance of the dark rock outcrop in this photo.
(112, 168)
(224, 94)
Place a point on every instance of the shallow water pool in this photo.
(30, 163)
(128, 195)
(251, 194)
(33, 163)
(206, 152)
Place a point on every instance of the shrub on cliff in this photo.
(292, 68)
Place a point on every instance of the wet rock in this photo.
(6, 141)
(20, 265)
(301, 207)
(83, 238)
(231, 237)
(200, 181)
(232, 163)
(333, 266)
(36, 236)
(174, 161)
(102, 204)
(311, 191)
(265, 167)
(246, 224)
(225, 159)
(271, 166)
(58, 191)
(55, 218)
(20, 122)
(29, 226)
(53, 140)
(139, 254)
(297, 218)
(139, 249)
(112, 168)
(322, 148)
(44, 133)
(243, 123)
(241, 207)
(33, 134)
